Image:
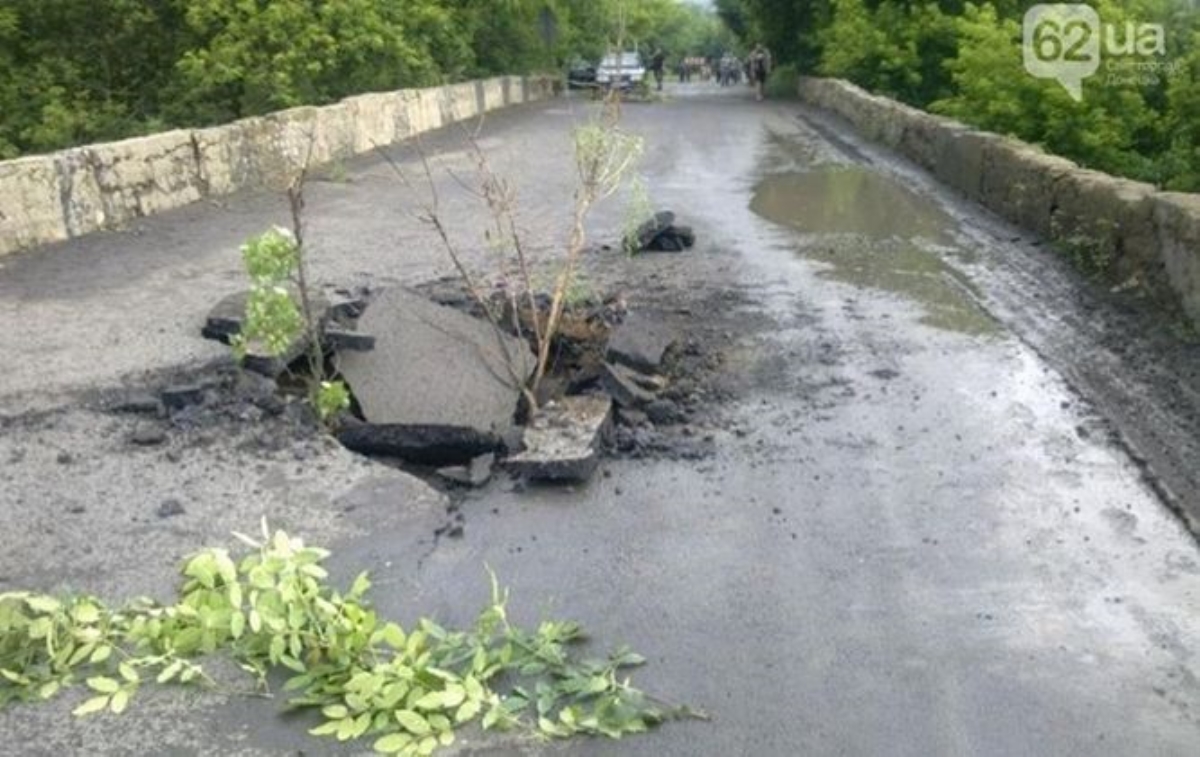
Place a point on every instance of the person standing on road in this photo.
(760, 69)
(657, 61)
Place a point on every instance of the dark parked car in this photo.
(581, 75)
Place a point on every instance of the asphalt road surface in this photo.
(941, 518)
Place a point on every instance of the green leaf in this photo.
(431, 701)
(40, 628)
(326, 729)
(119, 702)
(43, 604)
(224, 566)
(316, 571)
(412, 722)
(170, 671)
(392, 743)
(361, 724)
(393, 636)
(16, 678)
(82, 653)
(49, 689)
(203, 568)
(95, 704)
(479, 661)
(292, 663)
(597, 684)
(128, 673)
(362, 583)
(473, 687)
(335, 712)
(237, 624)
(103, 685)
(452, 696)
(393, 693)
(467, 711)
(86, 613)
(550, 728)
(261, 578)
(629, 659)
(415, 643)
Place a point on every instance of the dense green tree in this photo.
(789, 28)
(245, 58)
(1122, 124)
(73, 71)
(965, 60)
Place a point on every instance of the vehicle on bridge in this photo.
(581, 74)
(621, 70)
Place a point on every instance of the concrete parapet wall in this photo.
(1144, 234)
(50, 198)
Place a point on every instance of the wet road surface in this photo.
(921, 533)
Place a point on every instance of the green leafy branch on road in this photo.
(276, 319)
(367, 677)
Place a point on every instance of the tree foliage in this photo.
(964, 59)
(240, 59)
(77, 71)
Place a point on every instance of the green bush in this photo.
(964, 60)
(784, 82)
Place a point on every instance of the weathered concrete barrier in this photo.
(49, 198)
(1143, 233)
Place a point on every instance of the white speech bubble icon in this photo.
(1062, 42)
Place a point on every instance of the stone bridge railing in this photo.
(50, 198)
(1152, 236)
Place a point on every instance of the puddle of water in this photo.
(848, 200)
(880, 238)
(904, 268)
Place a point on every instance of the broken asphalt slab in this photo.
(475, 474)
(645, 234)
(623, 386)
(437, 445)
(563, 439)
(226, 320)
(660, 234)
(641, 341)
(439, 388)
(343, 339)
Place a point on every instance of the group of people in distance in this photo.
(728, 70)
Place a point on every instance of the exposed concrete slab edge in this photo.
(1152, 236)
(54, 197)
